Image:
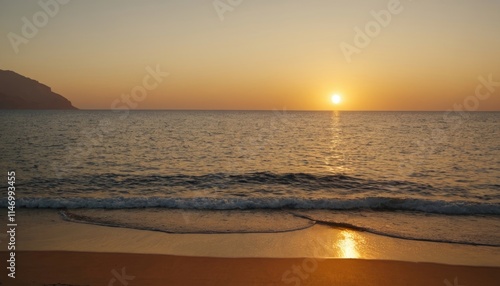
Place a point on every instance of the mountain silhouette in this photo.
(20, 92)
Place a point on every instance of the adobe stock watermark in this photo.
(31, 27)
(484, 89)
(363, 37)
(95, 136)
(122, 277)
(300, 273)
(454, 118)
(139, 93)
(224, 6)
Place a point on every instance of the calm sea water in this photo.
(417, 175)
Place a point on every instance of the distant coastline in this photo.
(18, 92)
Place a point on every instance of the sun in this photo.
(336, 99)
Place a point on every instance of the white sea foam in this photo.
(374, 203)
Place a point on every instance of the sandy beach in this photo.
(51, 251)
(84, 268)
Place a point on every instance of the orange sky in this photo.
(260, 54)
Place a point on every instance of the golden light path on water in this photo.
(342, 243)
(348, 245)
(337, 159)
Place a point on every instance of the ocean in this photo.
(431, 176)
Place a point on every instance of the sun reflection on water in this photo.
(336, 161)
(348, 245)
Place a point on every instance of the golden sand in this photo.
(85, 268)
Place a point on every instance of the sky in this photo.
(258, 54)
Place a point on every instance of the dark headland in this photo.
(20, 92)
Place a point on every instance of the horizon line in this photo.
(295, 110)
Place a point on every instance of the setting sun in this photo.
(336, 99)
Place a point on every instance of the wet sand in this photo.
(51, 251)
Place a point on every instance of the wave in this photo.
(259, 190)
(473, 230)
(257, 181)
(191, 221)
(247, 203)
(291, 180)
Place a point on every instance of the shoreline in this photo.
(45, 230)
(52, 251)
